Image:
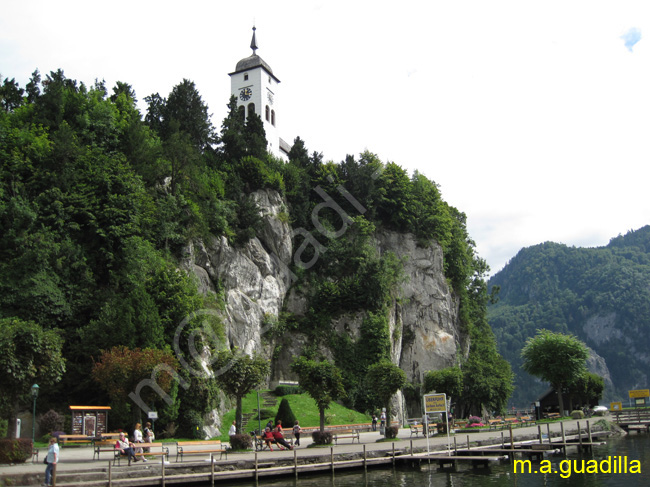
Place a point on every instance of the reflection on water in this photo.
(635, 447)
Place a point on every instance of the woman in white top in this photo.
(51, 459)
(137, 438)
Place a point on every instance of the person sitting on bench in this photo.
(126, 448)
(279, 438)
(268, 437)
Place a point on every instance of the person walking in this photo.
(296, 432)
(51, 459)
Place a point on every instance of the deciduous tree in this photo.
(238, 374)
(322, 381)
(386, 379)
(555, 358)
(28, 355)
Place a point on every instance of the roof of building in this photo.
(253, 61)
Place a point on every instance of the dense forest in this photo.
(600, 295)
(98, 201)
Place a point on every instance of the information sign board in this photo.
(435, 403)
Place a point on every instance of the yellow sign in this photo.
(639, 393)
(435, 403)
(615, 406)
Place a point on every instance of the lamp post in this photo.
(34, 396)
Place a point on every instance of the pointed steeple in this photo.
(254, 42)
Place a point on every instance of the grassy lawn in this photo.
(304, 409)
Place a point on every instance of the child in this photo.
(296, 433)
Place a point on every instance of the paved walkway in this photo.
(81, 458)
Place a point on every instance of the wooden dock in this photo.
(637, 420)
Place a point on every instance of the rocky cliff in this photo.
(256, 281)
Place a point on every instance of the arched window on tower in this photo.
(268, 113)
(251, 109)
(242, 112)
(273, 117)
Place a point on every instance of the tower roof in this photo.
(253, 61)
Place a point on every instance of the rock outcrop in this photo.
(256, 281)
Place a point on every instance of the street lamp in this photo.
(34, 396)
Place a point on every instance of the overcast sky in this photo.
(533, 117)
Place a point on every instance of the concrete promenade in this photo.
(75, 459)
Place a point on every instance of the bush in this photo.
(241, 442)
(324, 438)
(285, 414)
(191, 425)
(577, 414)
(474, 419)
(286, 390)
(51, 421)
(15, 451)
(391, 431)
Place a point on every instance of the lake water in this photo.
(635, 447)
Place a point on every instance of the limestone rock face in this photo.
(256, 282)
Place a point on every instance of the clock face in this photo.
(269, 95)
(245, 94)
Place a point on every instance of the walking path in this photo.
(81, 458)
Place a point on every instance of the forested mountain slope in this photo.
(143, 236)
(601, 295)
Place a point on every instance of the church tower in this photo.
(256, 89)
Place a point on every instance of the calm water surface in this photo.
(635, 447)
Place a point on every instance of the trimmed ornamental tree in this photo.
(386, 379)
(238, 374)
(322, 381)
(28, 355)
(555, 358)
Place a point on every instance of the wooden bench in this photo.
(460, 423)
(100, 446)
(155, 449)
(338, 435)
(495, 423)
(527, 420)
(69, 440)
(552, 415)
(198, 447)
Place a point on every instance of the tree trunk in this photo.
(11, 420)
(560, 399)
(322, 420)
(238, 415)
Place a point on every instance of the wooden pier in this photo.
(637, 420)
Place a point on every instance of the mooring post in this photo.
(563, 437)
(411, 447)
(162, 470)
(110, 475)
(548, 432)
(579, 435)
(54, 475)
(455, 447)
(589, 431)
(393, 453)
(539, 432)
(212, 469)
(365, 460)
(332, 457)
(295, 461)
(503, 441)
(468, 443)
(256, 467)
(512, 439)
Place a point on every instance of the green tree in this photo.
(120, 370)
(322, 381)
(28, 355)
(588, 389)
(386, 379)
(238, 374)
(556, 358)
(448, 381)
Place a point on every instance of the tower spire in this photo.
(254, 42)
